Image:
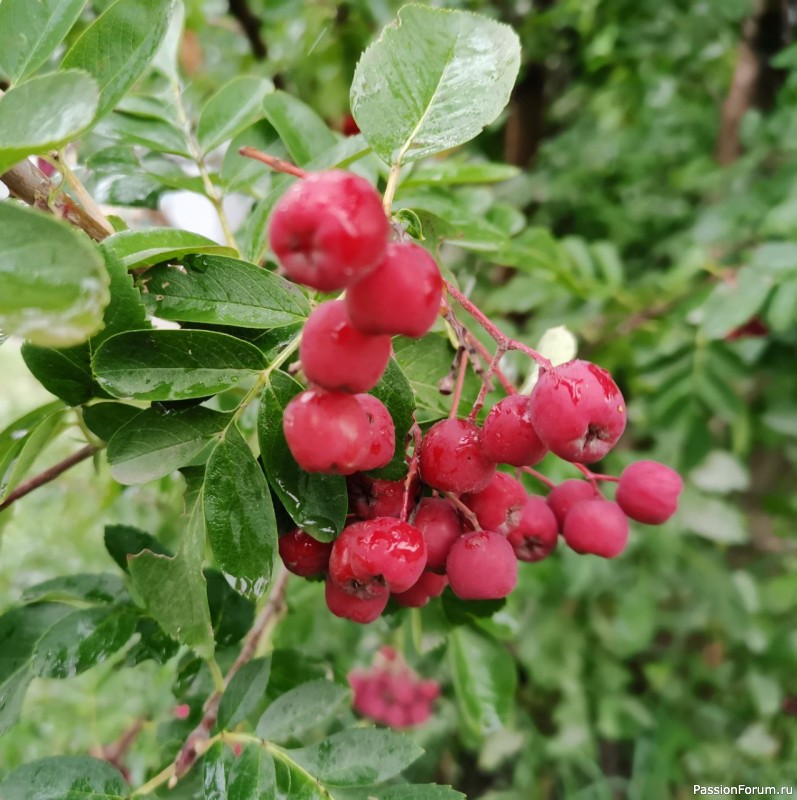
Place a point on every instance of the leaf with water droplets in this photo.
(65, 778)
(245, 695)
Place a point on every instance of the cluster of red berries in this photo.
(329, 232)
(392, 693)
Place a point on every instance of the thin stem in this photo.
(48, 475)
(277, 164)
(215, 671)
(463, 509)
(506, 384)
(539, 476)
(462, 354)
(487, 383)
(593, 477)
(412, 472)
(390, 188)
(153, 783)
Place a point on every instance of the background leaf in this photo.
(245, 695)
(65, 778)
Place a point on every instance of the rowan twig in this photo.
(251, 27)
(277, 164)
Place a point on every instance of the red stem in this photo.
(463, 368)
(487, 383)
(277, 164)
(463, 509)
(507, 385)
(415, 432)
(539, 476)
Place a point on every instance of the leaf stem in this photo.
(390, 188)
(153, 783)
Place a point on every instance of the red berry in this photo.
(568, 493)
(349, 606)
(509, 436)
(440, 525)
(648, 491)
(377, 555)
(402, 295)
(578, 411)
(370, 498)
(383, 432)
(534, 537)
(327, 432)
(429, 585)
(303, 555)
(336, 356)
(452, 458)
(328, 230)
(596, 526)
(498, 505)
(482, 566)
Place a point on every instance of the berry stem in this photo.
(277, 164)
(462, 359)
(463, 509)
(587, 474)
(487, 382)
(415, 432)
(539, 476)
(592, 477)
(506, 384)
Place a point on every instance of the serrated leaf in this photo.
(155, 443)
(88, 587)
(239, 515)
(83, 639)
(105, 419)
(55, 286)
(304, 134)
(432, 81)
(143, 248)
(395, 391)
(116, 48)
(252, 776)
(12, 695)
(237, 105)
(358, 757)
(245, 695)
(31, 31)
(301, 709)
(224, 291)
(293, 783)
(316, 503)
(65, 778)
(173, 365)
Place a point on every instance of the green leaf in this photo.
(214, 772)
(143, 248)
(31, 31)
(239, 515)
(65, 778)
(358, 757)
(224, 291)
(55, 286)
(316, 503)
(245, 695)
(451, 173)
(432, 81)
(105, 419)
(231, 615)
(412, 791)
(301, 710)
(239, 173)
(118, 45)
(485, 680)
(20, 630)
(23, 440)
(122, 541)
(236, 106)
(89, 587)
(293, 783)
(155, 443)
(252, 776)
(12, 695)
(44, 114)
(82, 640)
(395, 391)
(303, 132)
(173, 365)
(731, 305)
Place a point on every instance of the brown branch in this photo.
(251, 27)
(193, 747)
(48, 475)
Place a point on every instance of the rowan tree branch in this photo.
(250, 23)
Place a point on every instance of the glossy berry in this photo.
(599, 527)
(327, 432)
(482, 566)
(402, 295)
(498, 505)
(648, 491)
(336, 356)
(328, 230)
(371, 497)
(509, 436)
(303, 555)
(429, 585)
(567, 494)
(440, 525)
(578, 411)
(382, 432)
(452, 458)
(349, 606)
(536, 533)
(377, 555)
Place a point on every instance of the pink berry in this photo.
(482, 566)
(328, 230)
(327, 432)
(535, 535)
(370, 497)
(402, 295)
(596, 526)
(348, 606)
(429, 585)
(440, 525)
(498, 505)
(377, 555)
(578, 411)
(452, 458)
(509, 436)
(303, 555)
(336, 356)
(418, 713)
(383, 432)
(648, 491)
(567, 494)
